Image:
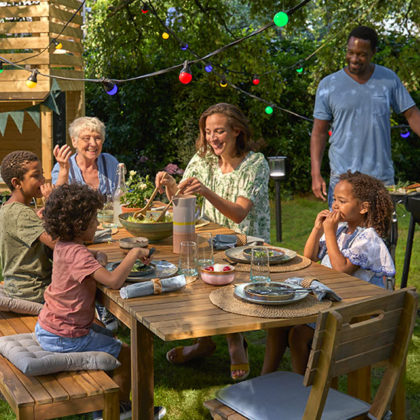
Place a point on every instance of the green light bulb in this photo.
(269, 110)
(281, 19)
(299, 70)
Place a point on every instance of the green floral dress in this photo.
(248, 180)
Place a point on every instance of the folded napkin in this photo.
(224, 241)
(320, 290)
(153, 287)
(103, 235)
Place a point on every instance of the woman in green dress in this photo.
(234, 183)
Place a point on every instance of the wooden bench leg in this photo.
(112, 406)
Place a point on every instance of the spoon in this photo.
(149, 202)
(162, 215)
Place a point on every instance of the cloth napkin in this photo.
(224, 241)
(153, 287)
(320, 290)
(103, 235)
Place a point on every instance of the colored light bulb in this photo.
(165, 35)
(299, 70)
(405, 134)
(208, 68)
(268, 110)
(110, 87)
(32, 80)
(281, 19)
(185, 75)
(145, 9)
(184, 46)
(223, 83)
(1, 67)
(330, 132)
(255, 80)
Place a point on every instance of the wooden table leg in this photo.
(142, 372)
(358, 384)
(398, 402)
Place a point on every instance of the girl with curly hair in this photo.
(348, 239)
(65, 323)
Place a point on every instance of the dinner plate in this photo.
(275, 255)
(240, 292)
(143, 270)
(236, 254)
(163, 269)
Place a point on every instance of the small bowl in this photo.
(136, 242)
(217, 277)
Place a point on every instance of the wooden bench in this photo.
(56, 395)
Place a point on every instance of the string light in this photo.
(58, 45)
(223, 83)
(184, 46)
(330, 132)
(299, 70)
(32, 79)
(185, 75)
(145, 8)
(405, 134)
(165, 35)
(281, 19)
(208, 68)
(255, 80)
(110, 88)
(268, 110)
(1, 67)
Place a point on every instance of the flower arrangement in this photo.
(138, 190)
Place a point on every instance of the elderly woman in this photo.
(234, 182)
(89, 165)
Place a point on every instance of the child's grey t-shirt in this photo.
(24, 259)
(360, 113)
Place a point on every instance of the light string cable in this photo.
(54, 39)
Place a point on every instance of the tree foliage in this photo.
(154, 121)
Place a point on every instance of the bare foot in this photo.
(201, 348)
(238, 351)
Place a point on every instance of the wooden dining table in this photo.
(189, 313)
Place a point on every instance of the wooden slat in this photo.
(25, 27)
(68, 30)
(65, 16)
(70, 4)
(46, 138)
(34, 10)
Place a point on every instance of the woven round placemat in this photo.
(225, 299)
(294, 264)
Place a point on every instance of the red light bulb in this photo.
(255, 80)
(185, 75)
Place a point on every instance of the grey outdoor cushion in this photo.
(27, 355)
(282, 395)
(20, 306)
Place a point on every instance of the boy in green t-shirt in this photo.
(23, 241)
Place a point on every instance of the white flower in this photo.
(143, 186)
(132, 173)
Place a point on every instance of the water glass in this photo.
(205, 249)
(106, 215)
(260, 264)
(188, 259)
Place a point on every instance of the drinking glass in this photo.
(260, 264)
(106, 215)
(188, 259)
(205, 249)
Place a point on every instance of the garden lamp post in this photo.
(278, 173)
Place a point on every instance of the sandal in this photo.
(176, 355)
(241, 366)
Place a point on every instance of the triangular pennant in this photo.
(34, 114)
(17, 117)
(3, 121)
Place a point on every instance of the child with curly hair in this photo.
(349, 240)
(65, 323)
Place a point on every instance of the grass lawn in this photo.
(182, 389)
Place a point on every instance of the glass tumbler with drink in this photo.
(260, 264)
(188, 260)
(205, 249)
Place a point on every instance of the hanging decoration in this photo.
(405, 134)
(109, 87)
(281, 19)
(145, 8)
(165, 35)
(255, 80)
(32, 79)
(268, 110)
(1, 67)
(185, 75)
(184, 46)
(208, 68)
(223, 83)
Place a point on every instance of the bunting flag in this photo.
(33, 111)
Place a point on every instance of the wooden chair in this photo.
(347, 338)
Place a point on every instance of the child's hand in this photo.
(62, 155)
(320, 218)
(46, 190)
(143, 255)
(102, 258)
(332, 220)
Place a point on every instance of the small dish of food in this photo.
(139, 269)
(218, 274)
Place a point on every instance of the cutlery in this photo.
(149, 202)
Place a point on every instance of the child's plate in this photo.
(139, 269)
(162, 269)
(237, 255)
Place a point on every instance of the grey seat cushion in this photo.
(28, 356)
(20, 306)
(282, 395)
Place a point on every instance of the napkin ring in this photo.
(157, 286)
(306, 282)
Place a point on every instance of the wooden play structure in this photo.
(28, 116)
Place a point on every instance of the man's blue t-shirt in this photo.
(360, 115)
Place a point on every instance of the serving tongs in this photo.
(143, 211)
(162, 215)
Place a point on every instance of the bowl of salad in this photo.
(146, 226)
